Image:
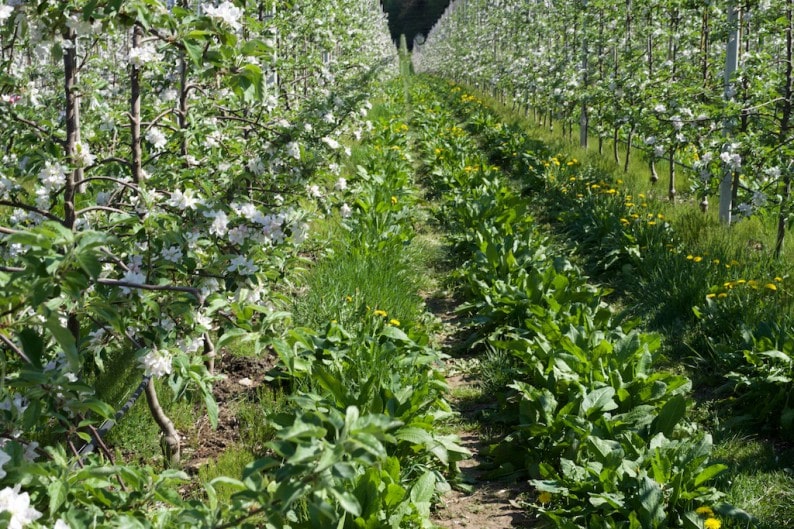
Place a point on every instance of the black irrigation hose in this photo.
(110, 423)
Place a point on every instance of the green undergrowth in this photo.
(715, 295)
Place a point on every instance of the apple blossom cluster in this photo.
(17, 503)
(156, 363)
(227, 13)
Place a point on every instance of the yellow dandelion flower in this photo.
(659, 216)
(778, 279)
(381, 313)
(722, 295)
(393, 200)
(544, 497)
(569, 164)
(651, 223)
(394, 322)
(634, 216)
(611, 191)
(705, 511)
(348, 299)
(595, 186)
(715, 261)
(572, 179)
(629, 204)
(753, 284)
(624, 221)
(579, 195)
(711, 295)
(741, 281)
(690, 257)
(641, 195)
(619, 182)
(697, 259)
(712, 523)
(771, 286)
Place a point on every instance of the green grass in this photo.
(338, 286)
(760, 479)
(231, 462)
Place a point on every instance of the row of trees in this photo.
(700, 84)
(155, 156)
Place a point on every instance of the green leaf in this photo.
(32, 344)
(89, 262)
(65, 341)
(669, 416)
(652, 501)
(708, 473)
(57, 493)
(414, 435)
(346, 500)
(423, 489)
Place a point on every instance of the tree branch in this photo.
(11, 345)
(142, 286)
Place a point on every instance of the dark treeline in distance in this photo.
(413, 17)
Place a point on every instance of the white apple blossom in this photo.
(220, 224)
(156, 363)
(143, 54)
(52, 176)
(330, 142)
(345, 211)
(18, 504)
(660, 108)
(184, 200)
(5, 13)
(226, 12)
(82, 155)
(173, 254)
(340, 184)
(156, 138)
(294, 150)
(314, 191)
(4, 458)
(238, 235)
(242, 266)
(60, 524)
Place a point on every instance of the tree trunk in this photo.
(169, 442)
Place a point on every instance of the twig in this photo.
(142, 286)
(11, 345)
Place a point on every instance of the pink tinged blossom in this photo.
(156, 363)
(18, 504)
